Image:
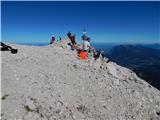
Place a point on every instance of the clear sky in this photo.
(112, 22)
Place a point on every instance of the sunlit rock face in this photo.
(52, 83)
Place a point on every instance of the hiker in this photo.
(5, 47)
(52, 40)
(73, 40)
(86, 45)
(83, 53)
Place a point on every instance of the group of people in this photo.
(85, 47)
(53, 39)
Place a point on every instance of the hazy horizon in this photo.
(48, 42)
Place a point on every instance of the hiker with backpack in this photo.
(72, 39)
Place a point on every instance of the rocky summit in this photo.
(52, 83)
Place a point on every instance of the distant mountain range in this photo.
(154, 46)
(142, 59)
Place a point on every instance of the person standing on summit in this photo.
(72, 39)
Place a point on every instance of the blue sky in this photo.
(106, 22)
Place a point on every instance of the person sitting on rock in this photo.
(86, 45)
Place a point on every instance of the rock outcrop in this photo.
(51, 83)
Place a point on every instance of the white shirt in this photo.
(86, 45)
